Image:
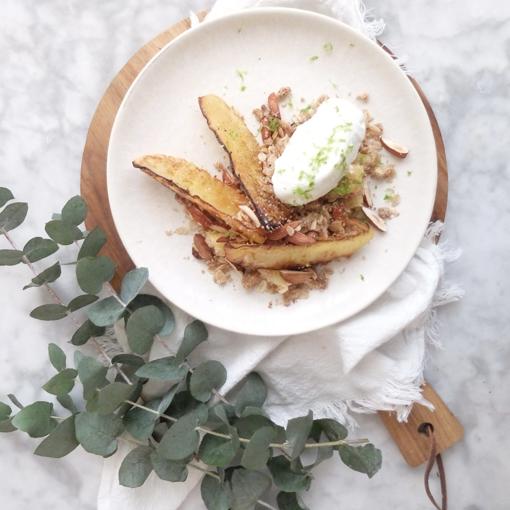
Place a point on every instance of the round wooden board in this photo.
(94, 191)
(93, 168)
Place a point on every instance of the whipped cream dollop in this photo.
(319, 153)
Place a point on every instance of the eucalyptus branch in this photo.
(57, 300)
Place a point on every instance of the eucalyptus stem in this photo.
(57, 300)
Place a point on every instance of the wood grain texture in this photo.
(94, 191)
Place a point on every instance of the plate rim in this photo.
(242, 14)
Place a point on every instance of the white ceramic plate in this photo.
(273, 47)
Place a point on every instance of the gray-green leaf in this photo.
(194, 334)
(105, 312)
(10, 257)
(257, 452)
(86, 331)
(365, 459)
(62, 383)
(92, 375)
(247, 487)
(112, 396)
(97, 433)
(163, 369)
(39, 248)
(215, 495)
(128, 359)
(285, 478)
(74, 211)
(49, 275)
(145, 300)
(136, 467)
(181, 439)
(333, 430)
(141, 327)
(139, 422)
(168, 470)
(52, 312)
(60, 442)
(7, 426)
(67, 403)
(57, 357)
(253, 393)
(219, 451)
(81, 301)
(93, 272)
(13, 216)
(35, 419)
(132, 284)
(5, 410)
(92, 244)
(62, 232)
(289, 501)
(5, 196)
(207, 377)
(297, 433)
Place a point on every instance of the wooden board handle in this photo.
(413, 445)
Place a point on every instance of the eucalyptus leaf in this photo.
(62, 232)
(67, 403)
(289, 501)
(194, 334)
(143, 324)
(7, 426)
(49, 275)
(207, 377)
(92, 375)
(13, 216)
(132, 284)
(252, 411)
(257, 452)
(86, 331)
(112, 396)
(181, 439)
(5, 196)
(10, 257)
(285, 478)
(333, 430)
(97, 433)
(139, 422)
(105, 312)
(35, 419)
(297, 432)
(81, 301)
(163, 369)
(39, 248)
(253, 393)
(248, 425)
(62, 383)
(5, 410)
(74, 211)
(169, 470)
(52, 312)
(61, 441)
(128, 359)
(219, 451)
(93, 272)
(167, 399)
(15, 401)
(365, 459)
(146, 300)
(136, 467)
(57, 357)
(215, 495)
(92, 244)
(247, 487)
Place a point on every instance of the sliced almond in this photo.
(367, 193)
(394, 148)
(374, 218)
(199, 216)
(298, 277)
(201, 248)
(251, 215)
(298, 238)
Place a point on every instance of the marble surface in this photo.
(59, 56)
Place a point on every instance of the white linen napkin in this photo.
(373, 361)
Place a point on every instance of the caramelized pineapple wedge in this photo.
(243, 149)
(287, 256)
(209, 194)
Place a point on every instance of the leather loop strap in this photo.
(434, 458)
